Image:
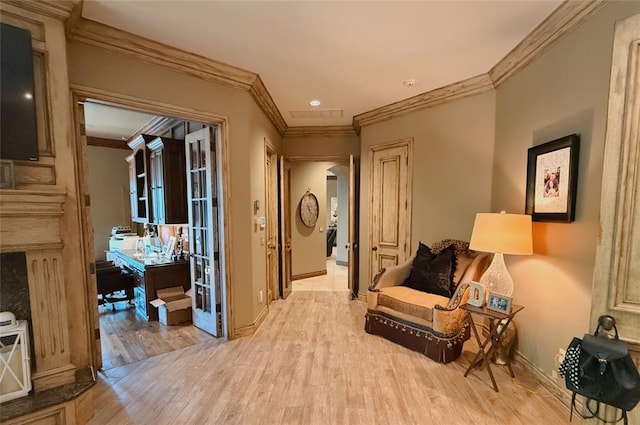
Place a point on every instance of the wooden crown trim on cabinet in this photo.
(122, 42)
(140, 141)
(157, 125)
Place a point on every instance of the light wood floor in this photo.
(312, 363)
(336, 279)
(126, 338)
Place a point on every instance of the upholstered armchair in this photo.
(425, 322)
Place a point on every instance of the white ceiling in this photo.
(109, 122)
(354, 56)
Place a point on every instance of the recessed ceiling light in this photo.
(315, 102)
(410, 83)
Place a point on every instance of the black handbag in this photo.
(601, 369)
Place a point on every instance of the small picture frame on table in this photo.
(500, 303)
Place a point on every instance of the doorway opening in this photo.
(323, 249)
(117, 218)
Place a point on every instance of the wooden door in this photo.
(390, 208)
(88, 248)
(285, 227)
(271, 209)
(615, 280)
(203, 183)
(352, 245)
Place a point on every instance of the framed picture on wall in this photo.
(552, 180)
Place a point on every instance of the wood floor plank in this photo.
(312, 363)
(126, 338)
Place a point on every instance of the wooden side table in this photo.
(484, 352)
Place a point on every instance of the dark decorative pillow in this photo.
(433, 273)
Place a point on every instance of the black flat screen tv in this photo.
(18, 136)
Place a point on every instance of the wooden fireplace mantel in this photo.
(30, 222)
(30, 219)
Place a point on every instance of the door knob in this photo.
(375, 248)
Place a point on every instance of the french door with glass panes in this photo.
(205, 237)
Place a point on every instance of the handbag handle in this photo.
(607, 323)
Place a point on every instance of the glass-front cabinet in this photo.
(167, 181)
(138, 182)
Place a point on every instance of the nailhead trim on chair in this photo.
(439, 347)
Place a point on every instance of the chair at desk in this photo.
(112, 279)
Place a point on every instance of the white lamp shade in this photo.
(503, 233)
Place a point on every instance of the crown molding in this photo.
(333, 130)
(263, 98)
(57, 9)
(122, 42)
(565, 18)
(470, 86)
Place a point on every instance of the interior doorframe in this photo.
(80, 94)
(341, 160)
(271, 217)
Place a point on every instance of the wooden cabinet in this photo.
(140, 293)
(167, 181)
(138, 181)
(151, 275)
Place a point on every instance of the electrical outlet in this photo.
(560, 356)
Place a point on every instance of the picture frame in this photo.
(476, 294)
(552, 180)
(498, 302)
(170, 247)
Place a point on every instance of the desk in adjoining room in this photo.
(151, 274)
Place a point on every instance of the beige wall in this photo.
(93, 67)
(308, 245)
(562, 92)
(452, 167)
(321, 145)
(109, 189)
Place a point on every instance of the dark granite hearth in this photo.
(40, 400)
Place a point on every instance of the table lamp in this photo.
(501, 234)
